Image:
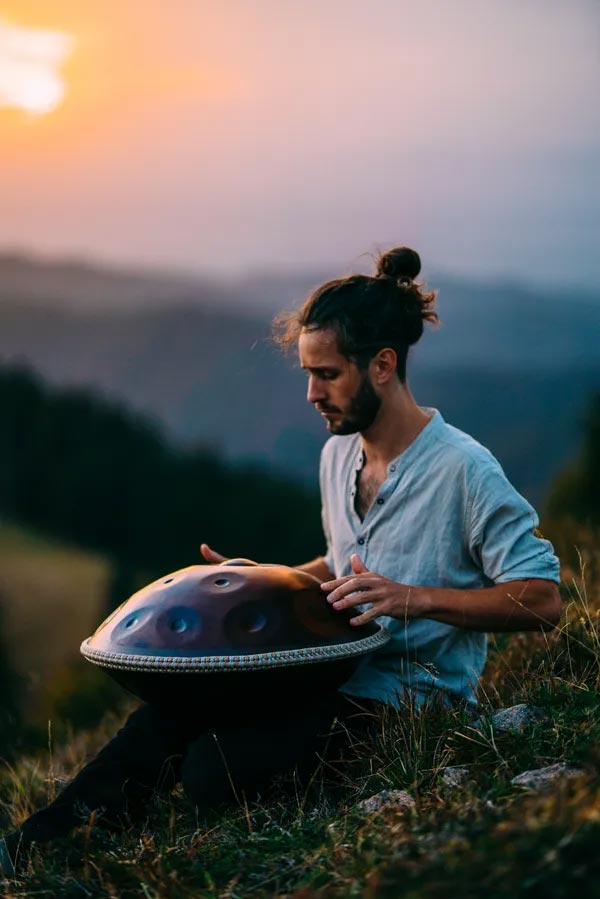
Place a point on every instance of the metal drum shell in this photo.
(230, 634)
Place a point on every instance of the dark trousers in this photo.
(157, 749)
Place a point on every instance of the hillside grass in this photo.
(52, 596)
(487, 839)
(48, 589)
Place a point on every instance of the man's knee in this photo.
(206, 776)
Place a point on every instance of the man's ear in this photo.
(383, 365)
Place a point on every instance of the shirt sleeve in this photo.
(502, 532)
(328, 557)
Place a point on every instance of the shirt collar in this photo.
(424, 438)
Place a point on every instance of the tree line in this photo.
(90, 471)
(576, 491)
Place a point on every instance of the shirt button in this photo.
(361, 540)
(380, 501)
(392, 468)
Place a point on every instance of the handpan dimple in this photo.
(179, 626)
(223, 582)
(252, 625)
(126, 630)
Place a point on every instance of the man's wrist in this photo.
(420, 601)
(318, 568)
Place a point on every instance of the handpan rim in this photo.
(240, 662)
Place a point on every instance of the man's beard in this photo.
(362, 411)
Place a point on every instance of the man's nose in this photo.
(315, 390)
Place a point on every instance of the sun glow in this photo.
(30, 63)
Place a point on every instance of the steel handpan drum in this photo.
(231, 639)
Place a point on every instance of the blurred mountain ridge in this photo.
(86, 285)
(510, 364)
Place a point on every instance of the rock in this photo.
(386, 799)
(455, 778)
(541, 778)
(515, 719)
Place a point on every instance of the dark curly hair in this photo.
(367, 313)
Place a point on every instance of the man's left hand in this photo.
(386, 596)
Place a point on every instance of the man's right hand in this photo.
(210, 555)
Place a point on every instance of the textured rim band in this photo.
(250, 662)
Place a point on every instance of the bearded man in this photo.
(423, 532)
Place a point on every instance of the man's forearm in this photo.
(524, 605)
(513, 606)
(318, 568)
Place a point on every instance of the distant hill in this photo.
(511, 365)
(81, 285)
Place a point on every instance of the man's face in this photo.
(337, 388)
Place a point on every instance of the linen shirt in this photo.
(446, 516)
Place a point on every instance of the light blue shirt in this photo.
(446, 516)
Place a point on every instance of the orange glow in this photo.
(118, 80)
(30, 68)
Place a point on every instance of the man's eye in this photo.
(322, 375)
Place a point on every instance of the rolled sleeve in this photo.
(502, 538)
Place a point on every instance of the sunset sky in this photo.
(231, 135)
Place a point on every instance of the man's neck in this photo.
(398, 423)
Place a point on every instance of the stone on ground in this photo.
(386, 799)
(515, 719)
(455, 777)
(541, 778)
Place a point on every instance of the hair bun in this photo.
(400, 263)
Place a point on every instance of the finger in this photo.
(350, 586)
(365, 617)
(329, 586)
(358, 598)
(357, 564)
(210, 555)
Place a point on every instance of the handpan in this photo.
(236, 638)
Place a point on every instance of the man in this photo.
(423, 530)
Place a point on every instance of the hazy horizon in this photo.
(309, 275)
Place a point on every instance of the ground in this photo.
(483, 836)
